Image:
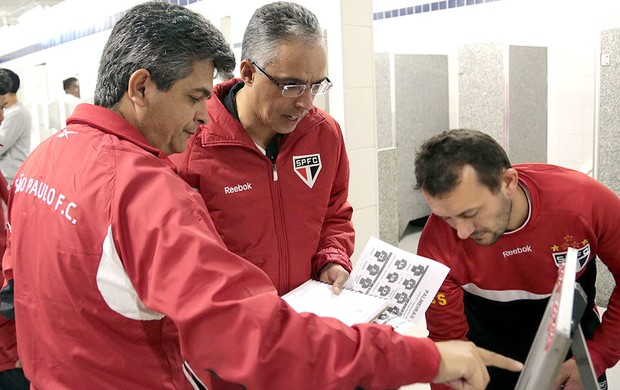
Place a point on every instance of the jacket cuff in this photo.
(330, 255)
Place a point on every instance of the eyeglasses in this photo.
(297, 90)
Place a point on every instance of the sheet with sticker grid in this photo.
(407, 280)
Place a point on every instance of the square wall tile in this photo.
(366, 224)
(572, 150)
(553, 148)
(571, 120)
(589, 90)
(363, 178)
(588, 119)
(359, 116)
(572, 91)
(358, 57)
(356, 12)
(553, 120)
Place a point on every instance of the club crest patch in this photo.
(583, 253)
(308, 167)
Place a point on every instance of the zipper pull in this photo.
(275, 172)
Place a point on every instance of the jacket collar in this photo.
(110, 122)
(223, 127)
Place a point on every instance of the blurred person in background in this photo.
(71, 99)
(15, 131)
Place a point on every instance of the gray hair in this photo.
(166, 40)
(277, 22)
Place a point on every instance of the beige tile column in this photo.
(358, 107)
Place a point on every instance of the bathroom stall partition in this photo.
(503, 92)
(412, 104)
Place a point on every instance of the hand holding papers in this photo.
(387, 277)
(409, 281)
(350, 307)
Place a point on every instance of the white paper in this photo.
(349, 306)
(409, 281)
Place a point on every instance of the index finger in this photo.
(496, 360)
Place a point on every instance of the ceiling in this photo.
(11, 10)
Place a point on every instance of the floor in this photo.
(409, 242)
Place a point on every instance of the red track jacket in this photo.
(278, 216)
(122, 282)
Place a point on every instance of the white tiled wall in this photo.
(569, 29)
(363, 183)
(366, 224)
(359, 112)
(359, 121)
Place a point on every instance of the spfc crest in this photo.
(583, 254)
(307, 167)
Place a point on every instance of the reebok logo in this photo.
(516, 251)
(238, 188)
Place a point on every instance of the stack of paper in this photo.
(350, 307)
(385, 278)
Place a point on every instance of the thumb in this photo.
(339, 282)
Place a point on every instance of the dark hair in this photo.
(66, 83)
(277, 22)
(14, 80)
(5, 82)
(166, 40)
(439, 161)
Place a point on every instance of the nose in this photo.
(464, 228)
(202, 115)
(305, 101)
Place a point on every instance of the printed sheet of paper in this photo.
(409, 281)
(350, 307)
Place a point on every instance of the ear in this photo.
(510, 181)
(247, 71)
(139, 82)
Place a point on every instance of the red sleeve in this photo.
(445, 317)
(337, 234)
(4, 189)
(8, 343)
(604, 347)
(4, 200)
(229, 317)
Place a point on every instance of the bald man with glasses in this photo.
(271, 167)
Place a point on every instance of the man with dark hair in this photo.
(71, 86)
(120, 278)
(5, 88)
(504, 230)
(15, 131)
(71, 99)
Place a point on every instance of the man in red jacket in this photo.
(121, 280)
(11, 375)
(271, 167)
(504, 230)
